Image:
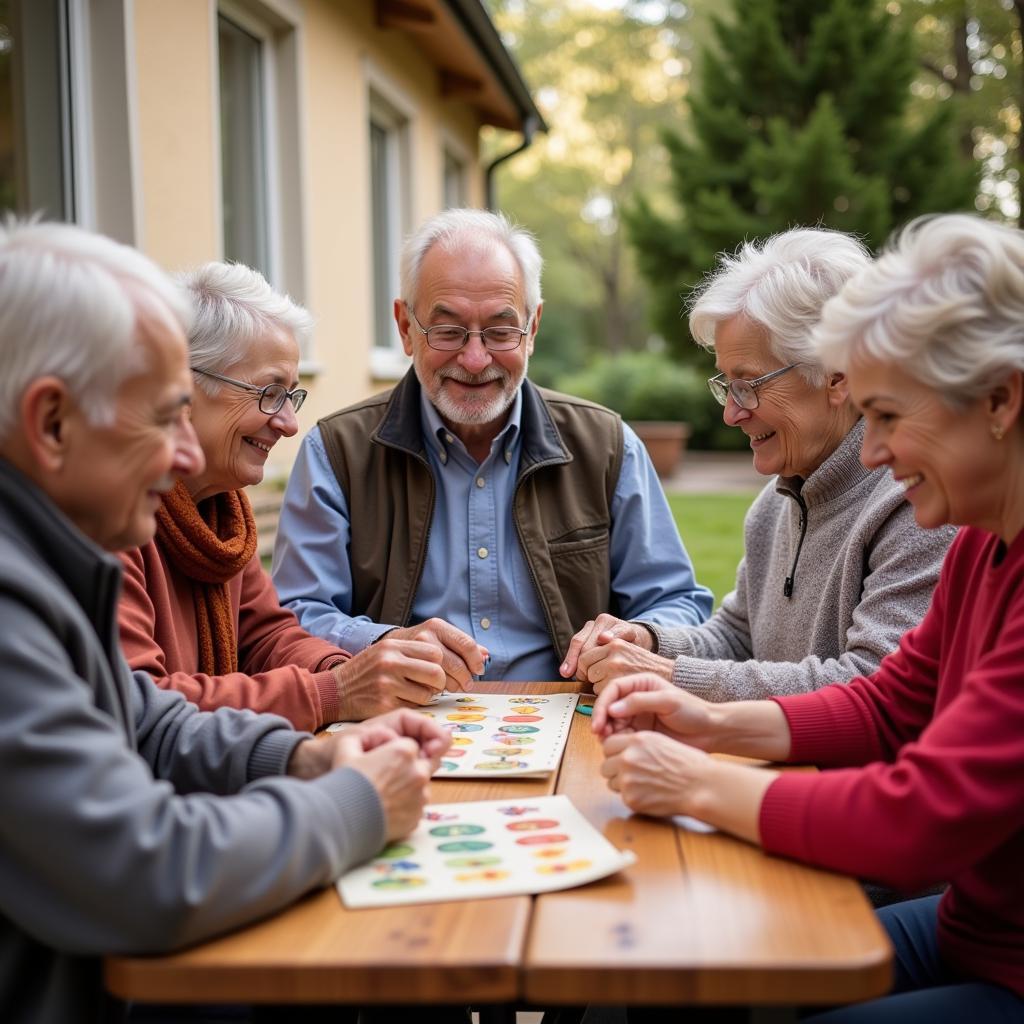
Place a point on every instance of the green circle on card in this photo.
(395, 851)
(472, 862)
(464, 846)
(457, 830)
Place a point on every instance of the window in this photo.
(243, 146)
(389, 191)
(454, 180)
(262, 199)
(35, 109)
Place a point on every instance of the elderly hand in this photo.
(613, 658)
(589, 637)
(646, 703)
(390, 674)
(655, 774)
(461, 656)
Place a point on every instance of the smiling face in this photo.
(235, 435)
(949, 464)
(796, 425)
(474, 287)
(113, 476)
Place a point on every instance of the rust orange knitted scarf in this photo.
(211, 543)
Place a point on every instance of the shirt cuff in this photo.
(272, 753)
(671, 641)
(329, 697)
(358, 634)
(692, 675)
(782, 821)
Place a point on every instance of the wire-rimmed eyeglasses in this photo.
(451, 337)
(744, 392)
(271, 396)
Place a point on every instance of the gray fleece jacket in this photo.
(115, 835)
(835, 571)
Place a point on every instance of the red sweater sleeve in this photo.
(950, 792)
(284, 670)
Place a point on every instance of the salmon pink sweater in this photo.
(939, 731)
(283, 669)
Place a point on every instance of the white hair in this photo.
(71, 304)
(452, 229)
(945, 300)
(235, 307)
(781, 284)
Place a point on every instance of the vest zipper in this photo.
(787, 587)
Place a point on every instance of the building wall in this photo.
(340, 51)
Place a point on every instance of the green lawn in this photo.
(711, 526)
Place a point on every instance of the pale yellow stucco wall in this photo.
(340, 46)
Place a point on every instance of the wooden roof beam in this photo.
(405, 15)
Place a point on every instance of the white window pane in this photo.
(382, 188)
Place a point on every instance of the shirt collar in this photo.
(433, 427)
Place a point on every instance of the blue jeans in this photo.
(925, 990)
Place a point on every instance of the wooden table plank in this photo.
(701, 918)
(318, 951)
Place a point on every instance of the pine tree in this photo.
(801, 118)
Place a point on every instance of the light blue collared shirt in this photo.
(475, 575)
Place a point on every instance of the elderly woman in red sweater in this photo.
(198, 611)
(926, 755)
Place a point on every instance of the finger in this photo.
(347, 747)
(576, 645)
(615, 744)
(660, 703)
(375, 734)
(463, 647)
(422, 647)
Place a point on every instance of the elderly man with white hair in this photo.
(835, 570)
(467, 507)
(118, 832)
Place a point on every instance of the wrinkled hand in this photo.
(654, 774)
(461, 656)
(387, 675)
(397, 772)
(588, 638)
(613, 658)
(431, 739)
(647, 703)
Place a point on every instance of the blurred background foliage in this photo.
(677, 130)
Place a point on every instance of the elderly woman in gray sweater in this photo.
(835, 570)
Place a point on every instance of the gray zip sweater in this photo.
(111, 837)
(835, 571)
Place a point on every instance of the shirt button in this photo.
(449, 438)
(480, 481)
(485, 623)
(481, 552)
(444, 457)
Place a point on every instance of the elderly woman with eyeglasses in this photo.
(834, 568)
(198, 611)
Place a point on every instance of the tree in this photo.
(801, 118)
(607, 80)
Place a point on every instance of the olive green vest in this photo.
(569, 465)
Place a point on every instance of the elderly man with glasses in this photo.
(466, 507)
(835, 569)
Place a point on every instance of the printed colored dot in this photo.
(555, 851)
(528, 700)
(456, 752)
(518, 729)
(464, 727)
(523, 718)
(457, 830)
(541, 840)
(464, 846)
(563, 868)
(516, 810)
(471, 862)
(473, 707)
(399, 882)
(396, 850)
(462, 716)
(461, 741)
(447, 766)
(523, 709)
(501, 751)
(513, 741)
(490, 875)
(531, 825)
(499, 766)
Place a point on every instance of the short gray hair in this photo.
(453, 228)
(780, 283)
(945, 300)
(234, 307)
(71, 303)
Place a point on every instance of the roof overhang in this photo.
(459, 38)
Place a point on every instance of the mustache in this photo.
(457, 373)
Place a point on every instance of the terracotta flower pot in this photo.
(665, 441)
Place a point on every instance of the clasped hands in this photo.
(608, 648)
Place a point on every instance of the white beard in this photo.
(474, 411)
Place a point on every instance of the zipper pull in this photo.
(787, 588)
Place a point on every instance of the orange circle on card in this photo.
(461, 741)
(490, 875)
(531, 825)
(524, 710)
(541, 840)
(462, 716)
(522, 718)
(563, 868)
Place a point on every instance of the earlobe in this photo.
(838, 388)
(44, 409)
(1004, 402)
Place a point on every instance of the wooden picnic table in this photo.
(700, 918)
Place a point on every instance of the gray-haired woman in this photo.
(198, 611)
(834, 569)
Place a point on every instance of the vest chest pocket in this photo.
(581, 565)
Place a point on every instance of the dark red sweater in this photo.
(939, 729)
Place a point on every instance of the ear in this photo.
(534, 326)
(45, 410)
(837, 389)
(401, 313)
(1005, 401)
